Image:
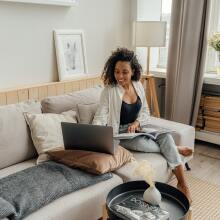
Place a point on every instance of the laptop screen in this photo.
(88, 137)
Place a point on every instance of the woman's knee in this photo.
(165, 139)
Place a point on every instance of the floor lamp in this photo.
(150, 34)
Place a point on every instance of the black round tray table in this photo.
(173, 200)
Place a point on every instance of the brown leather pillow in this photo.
(92, 162)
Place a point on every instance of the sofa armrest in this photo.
(184, 134)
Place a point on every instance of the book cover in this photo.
(135, 208)
(150, 131)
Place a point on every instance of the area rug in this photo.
(206, 198)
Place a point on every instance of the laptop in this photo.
(88, 137)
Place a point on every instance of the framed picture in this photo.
(48, 2)
(71, 54)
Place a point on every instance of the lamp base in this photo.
(151, 94)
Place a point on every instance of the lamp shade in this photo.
(149, 33)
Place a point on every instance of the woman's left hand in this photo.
(134, 127)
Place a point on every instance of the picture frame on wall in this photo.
(70, 53)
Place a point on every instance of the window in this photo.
(154, 10)
(165, 16)
(214, 26)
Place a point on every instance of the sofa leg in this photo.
(187, 167)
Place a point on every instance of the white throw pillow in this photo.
(86, 112)
(46, 131)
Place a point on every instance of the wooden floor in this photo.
(206, 162)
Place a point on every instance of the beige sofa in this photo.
(17, 153)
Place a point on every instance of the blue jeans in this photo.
(164, 144)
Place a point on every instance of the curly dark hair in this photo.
(121, 54)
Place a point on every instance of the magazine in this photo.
(150, 131)
(135, 208)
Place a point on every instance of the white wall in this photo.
(27, 54)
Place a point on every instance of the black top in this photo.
(129, 112)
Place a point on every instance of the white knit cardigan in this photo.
(108, 112)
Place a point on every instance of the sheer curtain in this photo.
(186, 59)
(214, 26)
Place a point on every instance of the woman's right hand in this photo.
(135, 126)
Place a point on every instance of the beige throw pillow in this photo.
(46, 131)
(86, 112)
(93, 162)
(61, 103)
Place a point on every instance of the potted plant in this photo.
(214, 42)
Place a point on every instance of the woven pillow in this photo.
(86, 112)
(92, 162)
(46, 131)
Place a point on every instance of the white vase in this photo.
(152, 195)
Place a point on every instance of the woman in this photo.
(123, 106)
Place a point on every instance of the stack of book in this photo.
(211, 113)
(200, 119)
(134, 207)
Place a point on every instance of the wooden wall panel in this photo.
(23, 95)
(82, 84)
(68, 87)
(51, 90)
(38, 92)
(12, 97)
(33, 93)
(89, 83)
(60, 88)
(42, 92)
(75, 86)
(3, 100)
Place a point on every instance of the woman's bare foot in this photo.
(185, 190)
(185, 151)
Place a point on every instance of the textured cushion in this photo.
(86, 112)
(15, 141)
(73, 205)
(46, 131)
(83, 204)
(61, 103)
(93, 162)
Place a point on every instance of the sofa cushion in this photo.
(17, 167)
(46, 131)
(86, 112)
(158, 162)
(61, 103)
(93, 162)
(15, 141)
